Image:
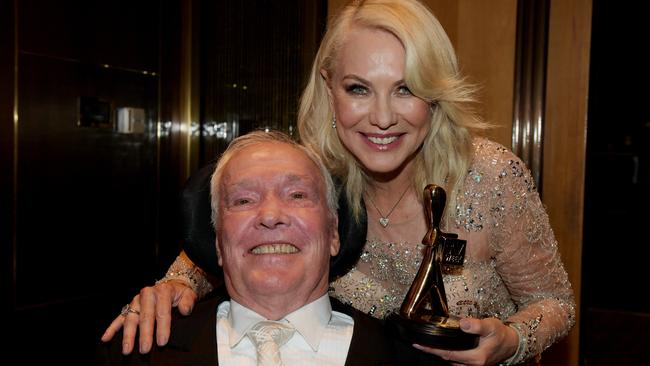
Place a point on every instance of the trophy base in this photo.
(439, 332)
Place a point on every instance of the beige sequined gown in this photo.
(512, 268)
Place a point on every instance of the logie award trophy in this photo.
(424, 316)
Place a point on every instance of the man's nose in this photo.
(272, 213)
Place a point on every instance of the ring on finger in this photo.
(126, 309)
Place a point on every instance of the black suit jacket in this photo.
(193, 341)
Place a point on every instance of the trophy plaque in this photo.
(424, 316)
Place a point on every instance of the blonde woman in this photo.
(389, 112)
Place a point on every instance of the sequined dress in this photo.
(512, 268)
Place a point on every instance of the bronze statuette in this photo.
(424, 316)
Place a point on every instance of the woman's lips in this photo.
(382, 142)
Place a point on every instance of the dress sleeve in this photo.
(528, 260)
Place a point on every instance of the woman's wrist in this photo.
(186, 272)
(521, 344)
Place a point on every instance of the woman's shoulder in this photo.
(496, 168)
(492, 158)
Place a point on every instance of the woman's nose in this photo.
(382, 114)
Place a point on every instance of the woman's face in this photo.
(378, 119)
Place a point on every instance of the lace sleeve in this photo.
(528, 260)
(184, 270)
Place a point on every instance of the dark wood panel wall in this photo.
(81, 229)
(7, 151)
(257, 86)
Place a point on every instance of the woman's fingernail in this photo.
(144, 347)
(464, 324)
(162, 340)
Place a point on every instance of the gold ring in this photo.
(126, 309)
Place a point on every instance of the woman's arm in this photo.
(527, 259)
(529, 262)
(183, 284)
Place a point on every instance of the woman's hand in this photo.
(152, 305)
(497, 343)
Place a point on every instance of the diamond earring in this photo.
(334, 122)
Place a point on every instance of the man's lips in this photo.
(275, 249)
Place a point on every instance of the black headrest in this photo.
(198, 233)
(199, 237)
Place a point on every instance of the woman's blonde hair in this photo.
(431, 73)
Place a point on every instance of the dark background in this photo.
(615, 309)
(89, 216)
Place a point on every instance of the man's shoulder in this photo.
(203, 308)
(190, 332)
(361, 319)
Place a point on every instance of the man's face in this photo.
(274, 232)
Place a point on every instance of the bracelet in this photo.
(527, 347)
(190, 275)
(521, 345)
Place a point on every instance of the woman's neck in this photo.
(392, 183)
(393, 206)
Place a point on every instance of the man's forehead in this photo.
(280, 160)
(272, 154)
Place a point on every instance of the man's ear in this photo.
(219, 260)
(335, 242)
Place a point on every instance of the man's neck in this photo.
(277, 307)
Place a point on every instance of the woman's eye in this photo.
(356, 89)
(404, 90)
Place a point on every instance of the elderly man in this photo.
(274, 212)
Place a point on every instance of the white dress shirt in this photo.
(322, 336)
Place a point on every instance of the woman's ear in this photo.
(326, 77)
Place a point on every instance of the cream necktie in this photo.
(268, 337)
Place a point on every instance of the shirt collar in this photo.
(310, 321)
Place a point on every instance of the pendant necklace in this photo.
(383, 219)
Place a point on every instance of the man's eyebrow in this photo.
(298, 178)
(246, 183)
(288, 178)
(295, 177)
